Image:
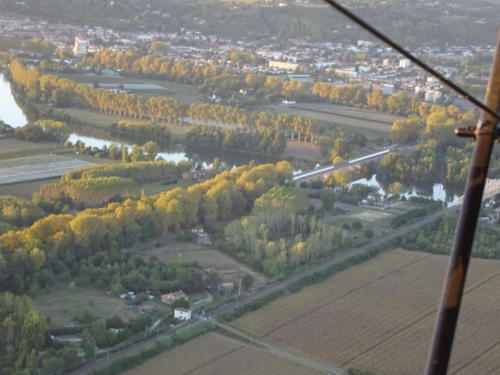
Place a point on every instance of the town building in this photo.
(182, 314)
(81, 46)
(347, 72)
(404, 63)
(283, 65)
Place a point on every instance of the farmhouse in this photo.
(172, 297)
(182, 314)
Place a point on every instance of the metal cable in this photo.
(469, 97)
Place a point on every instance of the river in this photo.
(13, 115)
(435, 191)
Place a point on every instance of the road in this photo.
(267, 289)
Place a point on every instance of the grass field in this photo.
(61, 304)
(207, 257)
(372, 217)
(13, 148)
(380, 316)
(40, 167)
(371, 123)
(214, 354)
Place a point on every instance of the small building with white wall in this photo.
(182, 314)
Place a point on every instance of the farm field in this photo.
(12, 148)
(40, 167)
(214, 354)
(380, 316)
(370, 122)
(61, 304)
(25, 189)
(207, 257)
(185, 93)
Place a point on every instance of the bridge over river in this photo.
(328, 170)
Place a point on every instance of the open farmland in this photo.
(370, 122)
(218, 355)
(32, 168)
(380, 316)
(13, 148)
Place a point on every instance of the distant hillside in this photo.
(457, 22)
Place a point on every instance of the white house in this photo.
(182, 314)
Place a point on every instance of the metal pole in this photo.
(485, 134)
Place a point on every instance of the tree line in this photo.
(65, 92)
(32, 257)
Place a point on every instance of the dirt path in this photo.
(284, 353)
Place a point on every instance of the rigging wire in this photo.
(379, 35)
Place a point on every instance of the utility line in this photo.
(372, 30)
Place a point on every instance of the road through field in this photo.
(266, 290)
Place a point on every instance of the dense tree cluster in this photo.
(277, 236)
(90, 192)
(268, 142)
(18, 211)
(140, 172)
(432, 127)
(57, 244)
(141, 130)
(22, 335)
(97, 185)
(437, 238)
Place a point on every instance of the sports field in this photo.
(380, 316)
(214, 354)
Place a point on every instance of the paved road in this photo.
(267, 289)
(284, 353)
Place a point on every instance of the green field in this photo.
(61, 304)
(374, 218)
(206, 257)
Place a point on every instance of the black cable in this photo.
(411, 57)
